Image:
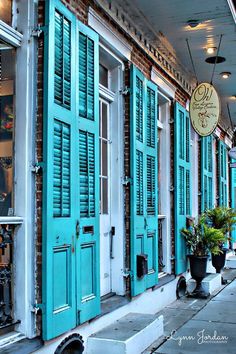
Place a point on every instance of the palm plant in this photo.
(221, 218)
(202, 239)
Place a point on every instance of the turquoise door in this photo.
(88, 279)
(70, 173)
(207, 173)
(233, 197)
(222, 174)
(182, 183)
(144, 206)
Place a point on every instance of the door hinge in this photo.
(127, 180)
(127, 273)
(37, 31)
(37, 307)
(125, 91)
(36, 168)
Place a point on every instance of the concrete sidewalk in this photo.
(200, 326)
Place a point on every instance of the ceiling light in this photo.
(233, 97)
(225, 74)
(215, 60)
(193, 23)
(211, 50)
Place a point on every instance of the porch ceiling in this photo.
(165, 22)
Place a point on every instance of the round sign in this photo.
(232, 153)
(204, 109)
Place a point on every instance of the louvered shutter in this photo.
(233, 197)
(222, 173)
(88, 284)
(144, 214)
(71, 173)
(206, 173)
(58, 256)
(182, 180)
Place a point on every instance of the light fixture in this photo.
(225, 74)
(193, 23)
(233, 97)
(211, 50)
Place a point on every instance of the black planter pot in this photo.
(198, 267)
(218, 261)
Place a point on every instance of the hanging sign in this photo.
(204, 109)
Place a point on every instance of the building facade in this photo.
(100, 167)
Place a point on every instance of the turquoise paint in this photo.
(64, 236)
(222, 174)
(144, 196)
(233, 196)
(207, 178)
(182, 181)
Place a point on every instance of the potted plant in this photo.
(221, 218)
(200, 240)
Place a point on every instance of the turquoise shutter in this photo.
(58, 256)
(88, 282)
(207, 173)
(144, 203)
(182, 182)
(71, 173)
(233, 196)
(222, 173)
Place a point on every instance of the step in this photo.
(210, 283)
(130, 334)
(230, 262)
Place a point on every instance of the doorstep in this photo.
(230, 262)
(16, 343)
(210, 283)
(130, 334)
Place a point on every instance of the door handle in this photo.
(145, 223)
(77, 230)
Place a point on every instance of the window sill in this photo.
(11, 220)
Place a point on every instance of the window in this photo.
(7, 78)
(104, 142)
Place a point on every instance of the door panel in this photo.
(58, 258)
(144, 221)
(233, 196)
(70, 174)
(182, 183)
(88, 274)
(206, 173)
(222, 173)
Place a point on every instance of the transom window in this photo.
(104, 145)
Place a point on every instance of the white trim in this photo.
(232, 9)
(24, 179)
(113, 55)
(228, 142)
(9, 35)
(159, 124)
(217, 132)
(105, 93)
(164, 96)
(108, 36)
(11, 220)
(162, 83)
(10, 338)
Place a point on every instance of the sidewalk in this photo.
(200, 326)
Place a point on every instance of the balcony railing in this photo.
(6, 251)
